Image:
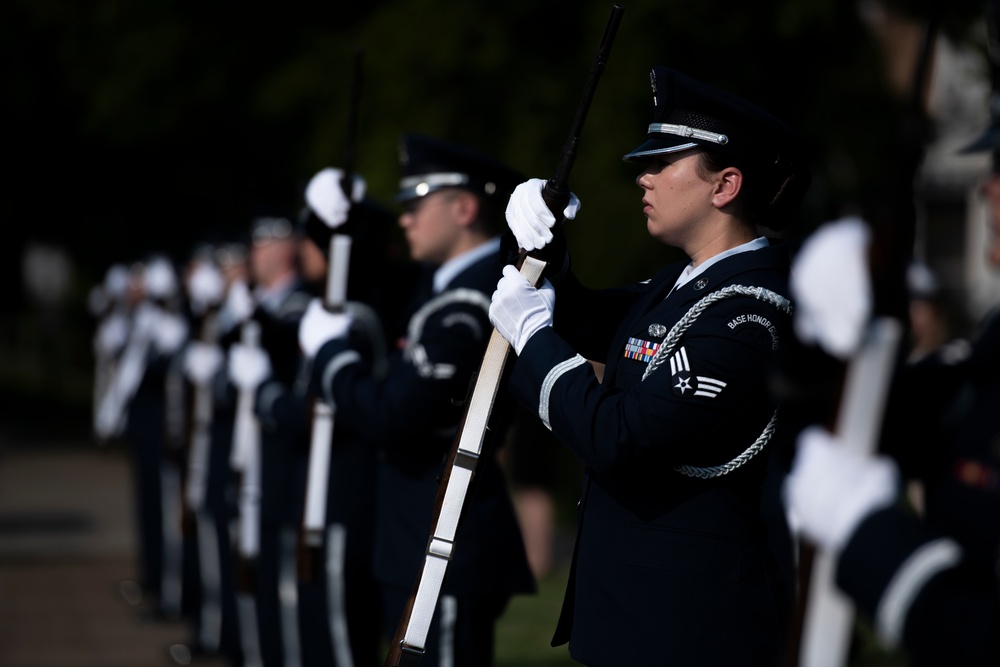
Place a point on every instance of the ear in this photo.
(465, 206)
(728, 184)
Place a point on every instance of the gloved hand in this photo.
(325, 196)
(161, 279)
(239, 302)
(518, 309)
(831, 489)
(206, 286)
(248, 366)
(831, 287)
(111, 335)
(116, 281)
(145, 320)
(169, 333)
(202, 361)
(530, 219)
(318, 326)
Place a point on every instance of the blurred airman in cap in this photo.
(453, 199)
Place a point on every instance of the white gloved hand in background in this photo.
(831, 489)
(325, 196)
(202, 361)
(831, 287)
(161, 279)
(205, 286)
(170, 332)
(248, 366)
(239, 303)
(145, 320)
(530, 219)
(319, 326)
(111, 335)
(519, 309)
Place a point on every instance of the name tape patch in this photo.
(754, 318)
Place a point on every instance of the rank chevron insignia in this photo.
(709, 387)
(684, 382)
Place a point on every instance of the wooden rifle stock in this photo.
(471, 445)
(112, 411)
(245, 460)
(473, 440)
(335, 300)
(199, 440)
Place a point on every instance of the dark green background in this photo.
(133, 126)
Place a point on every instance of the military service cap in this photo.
(688, 113)
(431, 164)
(267, 228)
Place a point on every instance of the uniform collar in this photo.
(454, 266)
(689, 273)
(270, 297)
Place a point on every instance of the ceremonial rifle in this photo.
(201, 424)
(476, 428)
(105, 361)
(323, 414)
(246, 461)
(172, 472)
(825, 617)
(109, 421)
(245, 458)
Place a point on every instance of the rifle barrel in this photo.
(556, 191)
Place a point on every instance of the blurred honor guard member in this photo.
(930, 584)
(339, 598)
(671, 562)
(453, 202)
(281, 295)
(155, 334)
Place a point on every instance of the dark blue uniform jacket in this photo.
(412, 412)
(668, 568)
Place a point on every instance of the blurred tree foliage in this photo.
(140, 126)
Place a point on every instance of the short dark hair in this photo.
(769, 198)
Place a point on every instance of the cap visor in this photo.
(659, 145)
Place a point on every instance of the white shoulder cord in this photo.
(670, 342)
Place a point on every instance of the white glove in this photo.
(831, 489)
(144, 320)
(831, 287)
(161, 279)
(529, 217)
(318, 326)
(248, 366)
(325, 196)
(518, 309)
(111, 335)
(206, 286)
(116, 281)
(170, 333)
(202, 361)
(239, 302)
